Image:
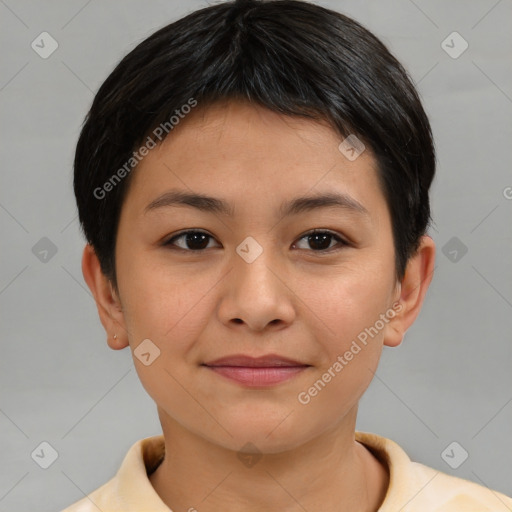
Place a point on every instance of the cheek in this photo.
(161, 302)
(349, 339)
(346, 302)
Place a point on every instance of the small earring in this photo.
(115, 336)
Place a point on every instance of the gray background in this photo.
(59, 381)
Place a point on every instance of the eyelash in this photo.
(342, 243)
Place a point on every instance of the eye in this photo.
(192, 240)
(321, 240)
(196, 241)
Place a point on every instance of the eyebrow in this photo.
(293, 207)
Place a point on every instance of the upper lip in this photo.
(269, 360)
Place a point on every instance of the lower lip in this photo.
(258, 377)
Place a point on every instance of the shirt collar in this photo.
(144, 456)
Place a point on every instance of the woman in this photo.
(253, 183)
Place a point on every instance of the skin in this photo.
(199, 306)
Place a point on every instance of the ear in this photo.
(108, 304)
(411, 291)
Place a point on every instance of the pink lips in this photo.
(257, 372)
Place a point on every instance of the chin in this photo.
(268, 433)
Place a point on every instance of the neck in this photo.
(328, 473)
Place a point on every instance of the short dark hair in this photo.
(290, 56)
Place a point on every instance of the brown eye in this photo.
(320, 241)
(196, 241)
(191, 240)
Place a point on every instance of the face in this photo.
(251, 279)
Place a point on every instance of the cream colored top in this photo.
(413, 487)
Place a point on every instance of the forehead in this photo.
(242, 152)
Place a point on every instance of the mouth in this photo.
(268, 370)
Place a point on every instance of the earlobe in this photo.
(412, 291)
(395, 330)
(108, 304)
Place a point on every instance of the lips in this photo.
(256, 372)
(270, 360)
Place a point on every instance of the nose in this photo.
(257, 294)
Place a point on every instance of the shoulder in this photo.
(414, 487)
(130, 490)
(450, 494)
(95, 500)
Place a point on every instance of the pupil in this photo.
(316, 237)
(191, 238)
